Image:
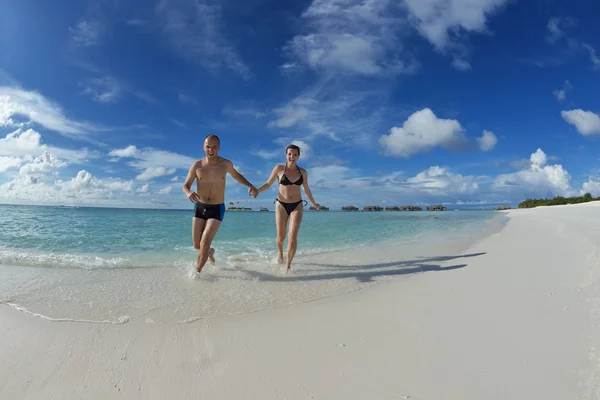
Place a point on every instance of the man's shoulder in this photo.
(224, 161)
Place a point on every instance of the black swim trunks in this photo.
(208, 211)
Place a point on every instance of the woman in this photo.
(290, 204)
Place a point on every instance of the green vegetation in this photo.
(239, 209)
(558, 200)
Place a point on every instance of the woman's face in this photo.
(292, 155)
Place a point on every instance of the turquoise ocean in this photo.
(116, 265)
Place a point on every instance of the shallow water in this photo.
(115, 265)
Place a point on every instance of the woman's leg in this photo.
(281, 218)
(295, 222)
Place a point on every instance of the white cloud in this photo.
(421, 132)
(554, 30)
(152, 163)
(367, 37)
(440, 181)
(592, 186)
(195, 30)
(586, 122)
(268, 155)
(593, 56)
(175, 179)
(442, 22)
(129, 151)
(561, 94)
(35, 185)
(350, 36)
(86, 185)
(538, 179)
(7, 163)
(154, 172)
(438, 20)
(461, 65)
(165, 190)
(28, 143)
(180, 124)
(339, 114)
(21, 142)
(283, 142)
(108, 89)
(86, 33)
(143, 189)
(324, 175)
(105, 89)
(42, 165)
(15, 102)
(293, 112)
(120, 186)
(487, 141)
(557, 27)
(243, 112)
(343, 185)
(538, 158)
(153, 158)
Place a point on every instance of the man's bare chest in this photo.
(211, 173)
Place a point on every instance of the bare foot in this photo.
(289, 268)
(211, 256)
(280, 258)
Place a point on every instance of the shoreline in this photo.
(501, 322)
(237, 289)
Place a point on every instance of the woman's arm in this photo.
(307, 190)
(272, 178)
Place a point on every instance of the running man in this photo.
(209, 197)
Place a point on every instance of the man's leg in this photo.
(210, 231)
(198, 225)
(197, 229)
(281, 218)
(295, 222)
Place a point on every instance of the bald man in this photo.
(209, 197)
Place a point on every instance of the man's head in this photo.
(292, 152)
(211, 146)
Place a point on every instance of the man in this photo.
(209, 197)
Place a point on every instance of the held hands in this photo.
(317, 206)
(252, 191)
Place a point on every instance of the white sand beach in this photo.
(514, 316)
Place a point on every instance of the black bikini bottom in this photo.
(289, 207)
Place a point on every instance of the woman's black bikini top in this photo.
(286, 182)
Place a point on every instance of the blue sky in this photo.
(462, 102)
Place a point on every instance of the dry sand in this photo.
(519, 320)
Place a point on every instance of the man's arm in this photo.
(189, 181)
(237, 176)
(269, 182)
(307, 190)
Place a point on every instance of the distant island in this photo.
(239, 209)
(558, 200)
(438, 207)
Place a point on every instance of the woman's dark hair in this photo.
(293, 147)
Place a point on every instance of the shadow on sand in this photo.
(365, 273)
